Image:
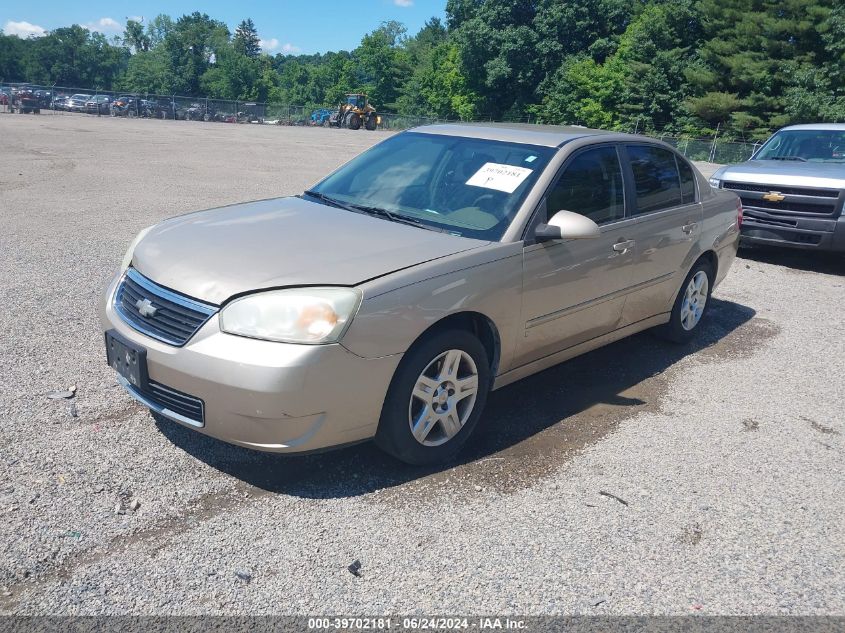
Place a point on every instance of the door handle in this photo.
(689, 228)
(623, 246)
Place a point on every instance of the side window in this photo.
(687, 181)
(591, 185)
(656, 178)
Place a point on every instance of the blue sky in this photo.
(293, 26)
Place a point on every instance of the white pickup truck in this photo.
(793, 188)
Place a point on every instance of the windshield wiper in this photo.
(369, 210)
(803, 160)
(329, 200)
(394, 217)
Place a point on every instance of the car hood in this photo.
(783, 172)
(216, 254)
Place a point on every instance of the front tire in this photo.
(435, 399)
(353, 121)
(691, 304)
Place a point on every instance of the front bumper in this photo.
(266, 396)
(793, 232)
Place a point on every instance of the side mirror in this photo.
(567, 225)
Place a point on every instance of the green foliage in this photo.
(135, 36)
(149, 71)
(246, 41)
(682, 66)
(71, 56)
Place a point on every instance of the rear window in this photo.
(656, 178)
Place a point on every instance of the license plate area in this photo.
(128, 360)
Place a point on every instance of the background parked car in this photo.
(76, 103)
(198, 112)
(45, 97)
(59, 102)
(121, 106)
(24, 101)
(793, 189)
(98, 104)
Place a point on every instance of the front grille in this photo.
(176, 401)
(792, 191)
(171, 317)
(773, 221)
(824, 208)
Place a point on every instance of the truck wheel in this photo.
(353, 121)
(435, 399)
(371, 122)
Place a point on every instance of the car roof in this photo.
(546, 135)
(817, 126)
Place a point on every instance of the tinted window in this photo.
(687, 182)
(656, 178)
(591, 185)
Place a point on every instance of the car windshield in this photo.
(465, 186)
(826, 146)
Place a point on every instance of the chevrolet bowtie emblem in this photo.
(146, 308)
(774, 196)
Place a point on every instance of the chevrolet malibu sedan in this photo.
(389, 299)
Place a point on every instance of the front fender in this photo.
(390, 320)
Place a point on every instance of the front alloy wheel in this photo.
(443, 398)
(435, 399)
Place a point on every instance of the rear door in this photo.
(573, 290)
(668, 217)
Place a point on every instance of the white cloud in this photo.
(23, 29)
(272, 45)
(269, 45)
(104, 25)
(403, 3)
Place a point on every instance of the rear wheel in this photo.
(371, 122)
(691, 304)
(435, 399)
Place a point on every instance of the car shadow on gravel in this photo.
(807, 261)
(529, 428)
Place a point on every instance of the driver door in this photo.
(574, 290)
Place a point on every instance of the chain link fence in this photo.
(17, 98)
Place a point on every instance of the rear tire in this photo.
(435, 399)
(371, 123)
(691, 304)
(353, 121)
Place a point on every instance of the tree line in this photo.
(742, 67)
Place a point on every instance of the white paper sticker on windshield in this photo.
(499, 177)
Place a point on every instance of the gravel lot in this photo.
(726, 457)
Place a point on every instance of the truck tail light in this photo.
(739, 214)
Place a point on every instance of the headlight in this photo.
(127, 259)
(298, 315)
(715, 183)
